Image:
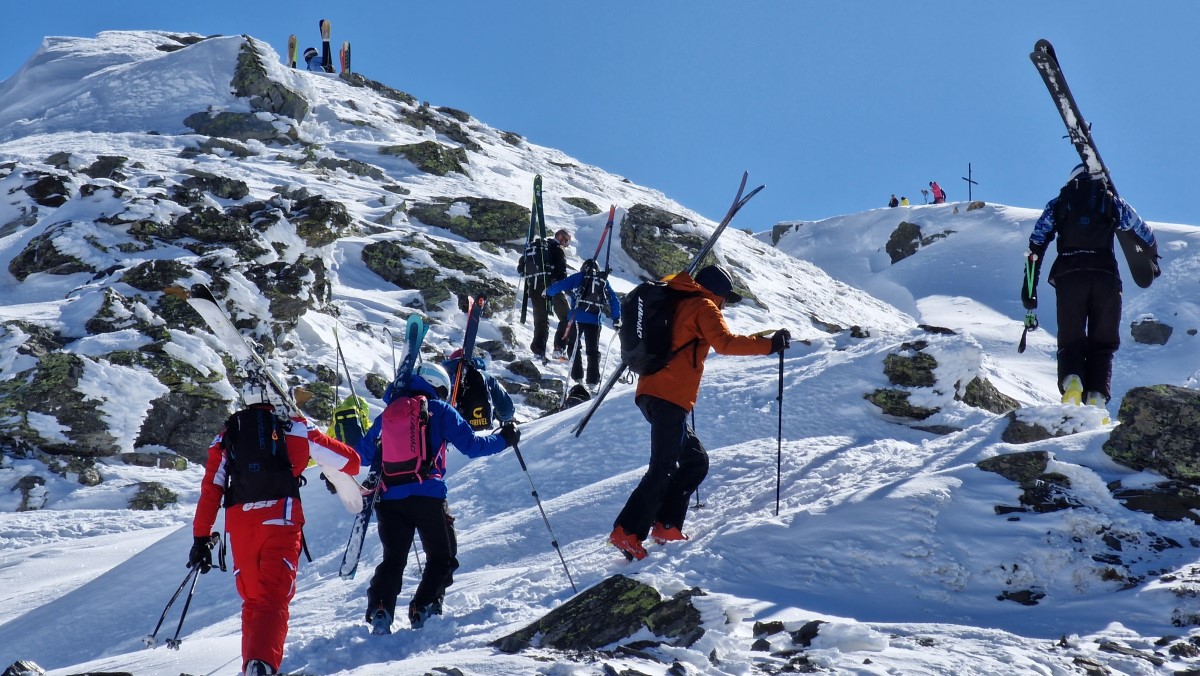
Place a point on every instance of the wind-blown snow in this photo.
(887, 533)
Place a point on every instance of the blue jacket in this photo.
(316, 64)
(502, 404)
(581, 316)
(1072, 256)
(445, 425)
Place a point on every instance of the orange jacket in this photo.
(304, 441)
(696, 319)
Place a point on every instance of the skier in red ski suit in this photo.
(263, 517)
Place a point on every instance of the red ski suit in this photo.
(265, 537)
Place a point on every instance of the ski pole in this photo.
(698, 504)
(1031, 320)
(417, 554)
(779, 437)
(538, 500)
(152, 640)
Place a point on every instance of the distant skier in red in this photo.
(939, 195)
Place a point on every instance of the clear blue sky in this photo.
(834, 105)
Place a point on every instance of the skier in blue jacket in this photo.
(314, 61)
(420, 505)
(592, 296)
(1084, 218)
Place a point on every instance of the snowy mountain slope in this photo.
(887, 533)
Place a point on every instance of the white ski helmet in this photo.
(437, 378)
(255, 391)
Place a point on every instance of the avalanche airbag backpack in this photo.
(1084, 214)
(257, 465)
(404, 441)
(647, 317)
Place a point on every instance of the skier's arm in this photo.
(459, 432)
(502, 404)
(614, 305)
(366, 447)
(716, 332)
(564, 284)
(1043, 230)
(212, 490)
(330, 453)
(1129, 220)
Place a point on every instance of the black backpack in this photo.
(474, 401)
(1085, 215)
(593, 290)
(576, 396)
(257, 467)
(647, 315)
(534, 261)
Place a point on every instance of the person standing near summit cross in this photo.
(939, 195)
(678, 461)
(1084, 218)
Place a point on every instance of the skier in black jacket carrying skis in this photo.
(1085, 218)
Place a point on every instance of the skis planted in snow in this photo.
(293, 50)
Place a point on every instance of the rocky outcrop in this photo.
(431, 157)
(1149, 331)
(478, 219)
(613, 610)
(1159, 430)
(907, 238)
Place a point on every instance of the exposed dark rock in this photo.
(152, 495)
(23, 668)
(319, 221)
(107, 166)
(587, 206)
(41, 255)
(238, 126)
(154, 275)
(805, 634)
(780, 229)
(1150, 332)
(49, 190)
(377, 384)
(250, 80)
(354, 167)
(910, 371)
(1018, 431)
(1042, 492)
(938, 330)
(895, 403)
(1026, 597)
(649, 237)
(161, 460)
(1169, 501)
(220, 186)
(33, 493)
(486, 220)
(184, 422)
(615, 609)
(431, 157)
(975, 205)
(423, 116)
(907, 238)
(397, 263)
(1159, 430)
(981, 393)
(357, 80)
(211, 225)
(291, 288)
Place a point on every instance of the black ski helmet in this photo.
(310, 53)
(717, 280)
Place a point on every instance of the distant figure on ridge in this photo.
(904, 201)
(939, 195)
(893, 202)
(1085, 218)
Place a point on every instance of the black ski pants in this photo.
(541, 320)
(398, 521)
(1089, 327)
(587, 339)
(678, 463)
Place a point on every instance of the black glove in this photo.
(1029, 295)
(780, 341)
(328, 484)
(201, 554)
(510, 433)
